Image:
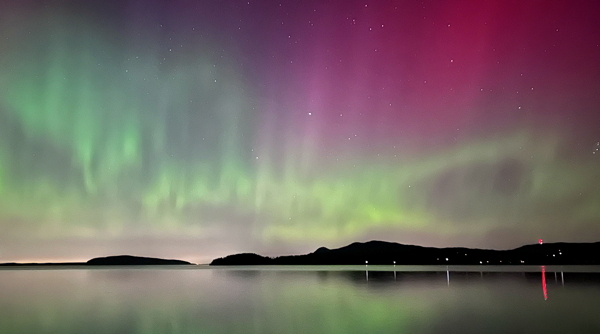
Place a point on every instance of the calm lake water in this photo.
(330, 299)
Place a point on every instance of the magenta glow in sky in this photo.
(193, 129)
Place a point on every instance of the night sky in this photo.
(194, 129)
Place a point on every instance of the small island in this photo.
(118, 260)
(391, 253)
(128, 260)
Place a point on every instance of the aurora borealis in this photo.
(192, 129)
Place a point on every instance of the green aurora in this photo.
(112, 136)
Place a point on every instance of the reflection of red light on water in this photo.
(544, 283)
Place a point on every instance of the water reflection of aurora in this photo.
(230, 301)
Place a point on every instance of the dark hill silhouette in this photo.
(119, 260)
(41, 264)
(381, 252)
(246, 258)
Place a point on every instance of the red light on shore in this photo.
(540, 241)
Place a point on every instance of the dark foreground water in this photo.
(301, 300)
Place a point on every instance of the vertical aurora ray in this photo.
(130, 129)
